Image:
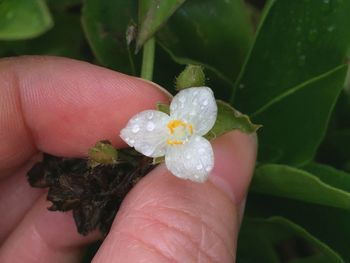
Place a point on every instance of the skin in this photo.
(63, 107)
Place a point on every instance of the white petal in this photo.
(193, 160)
(196, 106)
(147, 132)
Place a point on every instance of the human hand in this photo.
(63, 107)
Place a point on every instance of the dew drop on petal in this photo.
(131, 141)
(201, 150)
(150, 115)
(205, 102)
(150, 126)
(208, 168)
(199, 166)
(134, 120)
(182, 99)
(173, 106)
(188, 156)
(146, 149)
(135, 128)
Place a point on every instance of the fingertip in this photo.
(68, 105)
(235, 156)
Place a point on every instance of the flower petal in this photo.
(196, 106)
(147, 132)
(193, 160)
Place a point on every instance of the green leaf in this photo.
(330, 175)
(214, 34)
(289, 182)
(153, 14)
(110, 27)
(278, 240)
(54, 42)
(291, 78)
(295, 122)
(229, 119)
(329, 225)
(23, 19)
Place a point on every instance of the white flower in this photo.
(179, 136)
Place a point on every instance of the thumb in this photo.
(166, 219)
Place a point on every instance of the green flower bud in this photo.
(103, 153)
(192, 76)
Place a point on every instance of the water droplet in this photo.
(201, 150)
(312, 34)
(330, 28)
(131, 141)
(150, 115)
(135, 128)
(188, 156)
(146, 149)
(150, 126)
(301, 60)
(205, 102)
(208, 168)
(195, 93)
(182, 99)
(133, 120)
(173, 106)
(197, 139)
(202, 107)
(199, 166)
(9, 15)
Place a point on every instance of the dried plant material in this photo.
(93, 192)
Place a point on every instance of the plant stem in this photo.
(148, 59)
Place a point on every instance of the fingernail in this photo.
(235, 155)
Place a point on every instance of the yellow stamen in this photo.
(172, 125)
(174, 142)
(190, 127)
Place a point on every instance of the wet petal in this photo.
(193, 160)
(147, 132)
(196, 106)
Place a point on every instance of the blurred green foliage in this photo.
(284, 63)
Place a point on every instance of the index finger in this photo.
(62, 106)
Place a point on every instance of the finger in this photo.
(62, 106)
(44, 236)
(16, 198)
(166, 219)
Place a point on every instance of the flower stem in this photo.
(148, 59)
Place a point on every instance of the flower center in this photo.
(179, 132)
